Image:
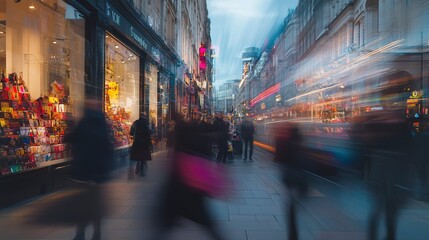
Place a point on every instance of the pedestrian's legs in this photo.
(138, 168)
(391, 224)
(97, 230)
(207, 221)
(246, 144)
(375, 214)
(251, 148)
(143, 168)
(392, 205)
(223, 150)
(215, 233)
(80, 231)
(293, 231)
(225, 153)
(131, 169)
(219, 152)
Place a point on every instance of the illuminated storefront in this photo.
(121, 92)
(55, 54)
(42, 52)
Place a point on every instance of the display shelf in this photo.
(31, 133)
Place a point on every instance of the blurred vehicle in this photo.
(327, 146)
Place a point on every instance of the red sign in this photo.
(203, 51)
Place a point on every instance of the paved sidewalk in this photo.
(256, 212)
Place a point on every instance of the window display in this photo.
(42, 68)
(151, 94)
(121, 89)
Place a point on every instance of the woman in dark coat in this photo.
(141, 148)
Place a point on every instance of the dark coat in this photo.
(247, 129)
(221, 128)
(141, 148)
(92, 148)
(289, 152)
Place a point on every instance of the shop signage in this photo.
(139, 38)
(415, 94)
(113, 15)
(120, 22)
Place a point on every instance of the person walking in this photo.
(247, 130)
(170, 134)
(390, 141)
(221, 129)
(289, 153)
(184, 194)
(92, 149)
(141, 147)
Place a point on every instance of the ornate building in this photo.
(336, 59)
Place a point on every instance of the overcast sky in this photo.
(237, 24)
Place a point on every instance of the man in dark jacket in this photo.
(221, 129)
(92, 162)
(247, 130)
(290, 153)
(141, 148)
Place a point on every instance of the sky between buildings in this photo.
(237, 24)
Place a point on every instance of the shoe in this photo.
(250, 160)
(244, 159)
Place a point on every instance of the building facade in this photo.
(249, 58)
(335, 60)
(225, 96)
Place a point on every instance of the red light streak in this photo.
(270, 91)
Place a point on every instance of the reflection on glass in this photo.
(121, 88)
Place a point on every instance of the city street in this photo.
(332, 210)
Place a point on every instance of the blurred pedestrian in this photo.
(421, 158)
(170, 134)
(141, 148)
(247, 130)
(221, 128)
(191, 180)
(388, 174)
(289, 153)
(92, 149)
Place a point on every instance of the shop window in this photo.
(121, 88)
(151, 95)
(42, 46)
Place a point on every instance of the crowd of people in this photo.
(385, 145)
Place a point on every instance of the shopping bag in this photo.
(199, 173)
(230, 147)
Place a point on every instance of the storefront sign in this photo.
(130, 31)
(139, 38)
(113, 14)
(416, 94)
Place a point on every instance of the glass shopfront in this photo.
(151, 95)
(42, 47)
(121, 94)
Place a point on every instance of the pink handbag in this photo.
(199, 173)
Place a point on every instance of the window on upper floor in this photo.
(359, 33)
(171, 28)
